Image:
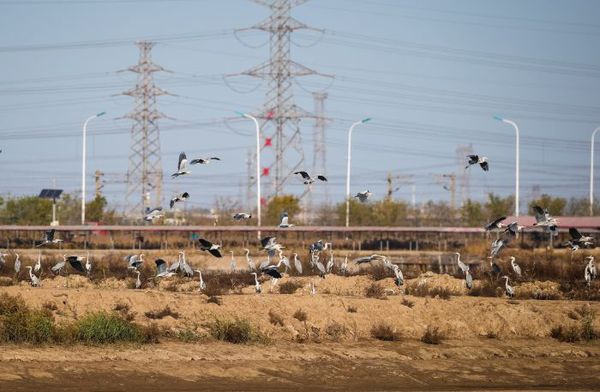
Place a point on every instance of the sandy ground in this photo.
(491, 343)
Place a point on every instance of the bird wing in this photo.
(215, 252)
(320, 266)
(539, 213)
(272, 272)
(199, 160)
(284, 221)
(473, 159)
(184, 196)
(182, 161)
(76, 263)
(161, 266)
(50, 234)
(172, 203)
(575, 233)
(485, 166)
(364, 259)
(267, 241)
(322, 178)
(205, 243)
(215, 158)
(303, 174)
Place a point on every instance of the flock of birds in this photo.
(505, 233)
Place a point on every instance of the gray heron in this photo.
(38, 265)
(285, 221)
(35, 281)
(508, 289)
(182, 166)
(2, 259)
(463, 267)
(495, 267)
(153, 214)
(88, 265)
(297, 264)
(468, 280)
(321, 268)
(138, 282)
(399, 277)
(497, 247)
(344, 266)
(330, 263)
(495, 225)
(76, 262)
(285, 261)
(592, 267)
(251, 265)
(232, 263)
(516, 268)
(544, 219)
(201, 284)
(134, 261)
(241, 216)
(209, 247)
(270, 245)
(313, 289)
(203, 161)
(477, 160)
(185, 267)
(177, 198)
(368, 259)
(58, 267)
(363, 196)
(578, 238)
(161, 269)
(257, 288)
(307, 179)
(49, 238)
(17, 265)
(512, 229)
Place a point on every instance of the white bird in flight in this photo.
(308, 179)
(181, 197)
(154, 214)
(240, 216)
(363, 196)
(285, 221)
(182, 166)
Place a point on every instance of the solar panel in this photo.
(50, 193)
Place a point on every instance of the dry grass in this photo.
(289, 287)
(407, 303)
(161, 313)
(584, 331)
(335, 331)
(236, 331)
(432, 335)
(213, 299)
(300, 315)
(375, 290)
(385, 332)
(352, 309)
(275, 318)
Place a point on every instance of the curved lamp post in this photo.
(514, 125)
(258, 196)
(348, 168)
(83, 164)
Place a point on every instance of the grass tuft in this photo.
(161, 313)
(385, 332)
(236, 331)
(375, 290)
(432, 335)
(289, 287)
(300, 315)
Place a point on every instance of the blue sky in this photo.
(431, 74)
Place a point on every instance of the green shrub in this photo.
(20, 324)
(103, 327)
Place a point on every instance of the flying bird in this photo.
(497, 246)
(578, 238)
(49, 238)
(76, 262)
(161, 269)
(476, 159)
(544, 219)
(368, 259)
(285, 221)
(134, 261)
(181, 197)
(182, 166)
(308, 179)
(153, 214)
(363, 196)
(209, 247)
(512, 229)
(240, 216)
(495, 224)
(58, 267)
(204, 161)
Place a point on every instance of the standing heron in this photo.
(399, 279)
(330, 263)
(468, 280)
(88, 265)
(232, 263)
(201, 285)
(251, 265)
(313, 289)
(138, 282)
(592, 267)
(516, 268)
(257, 288)
(297, 264)
(344, 266)
(17, 265)
(35, 281)
(38, 265)
(508, 289)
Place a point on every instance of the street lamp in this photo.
(592, 173)
(258, 212)
(348, 169)
(504, 120)
(83, 165)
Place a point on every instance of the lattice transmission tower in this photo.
(144, 176)
(280, 116)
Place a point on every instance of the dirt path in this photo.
(409, 365)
